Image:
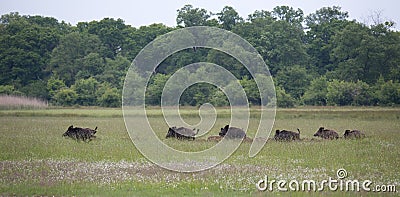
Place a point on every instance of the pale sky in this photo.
(146, 12)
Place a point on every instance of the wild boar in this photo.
(326, 133)
(181, 133)
(348, 134)
(78, 133)
(232, 132)
(286, 135)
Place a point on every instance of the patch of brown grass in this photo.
(21, 102)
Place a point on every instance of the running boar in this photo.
(285, 135)
(78, 133)
(326, 133)
(353, 134)
(182, 133)
(232, 132)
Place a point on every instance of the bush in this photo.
(387, 93)
(348, 93)
(6, 89)
(362, 94)
(66, 97)
(284, 99)
(86, 90)
(110, 98)
(316, 92)
(53, 86)
(219, 99)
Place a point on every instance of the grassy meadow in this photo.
(36, 160)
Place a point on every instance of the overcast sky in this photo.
(145, 12)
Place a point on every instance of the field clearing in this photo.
(36, 160)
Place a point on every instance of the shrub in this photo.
(316, 92)
(348, 93)
(219, 99)
(86, 90)
(387, 93)
(284, 99)
(110, 98)
(66, 97)
(6, 89)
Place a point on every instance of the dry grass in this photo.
(21, 102)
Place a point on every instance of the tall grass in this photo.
(21, 102)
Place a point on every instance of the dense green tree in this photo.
(278, 39)
(197, 94)
(68, 57)
(182, 58)
(228, 62)
(189, 16)
(134, 93)
(257, 31)
(251, 89)
(259, 14)
(234, 94)
(228, 17)
(114, 71)
(155, 88)
(36, 89)
(288, 14)
(348, 54)
(285, 46)
(326, 15)
(362, 94)
(294, 80)
(25, 46)
(322, 26)
(90, 65)
(110, 32)
(363, 53)
(320, 59)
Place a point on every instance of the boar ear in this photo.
(70, 127)
(95, 128)
(226, 127)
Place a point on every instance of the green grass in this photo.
(36, 160)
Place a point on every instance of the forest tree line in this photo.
(319, 59)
